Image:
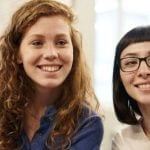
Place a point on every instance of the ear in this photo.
(19, 59)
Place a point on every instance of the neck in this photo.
(145, 110)
(42, 100)
(47, 97)
(146, 128)
(36, 109)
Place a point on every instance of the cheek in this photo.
(71, 58)
(67, 57)
(127, 79)
(29, 57)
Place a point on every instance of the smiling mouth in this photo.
(50, 68)
(144, 86)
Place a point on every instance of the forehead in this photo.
(137, 49)
(49, 24)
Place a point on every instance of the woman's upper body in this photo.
(88, 134)
(42, 64)
(131, 81)
(131, 137)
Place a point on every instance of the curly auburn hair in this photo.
(16, 89)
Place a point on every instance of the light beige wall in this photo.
(7, 7)
(86, 21)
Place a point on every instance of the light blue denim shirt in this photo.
(87, 136)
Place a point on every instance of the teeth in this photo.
(50, 68)
(144, 86)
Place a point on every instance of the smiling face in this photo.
(46, 52)
(137, 83)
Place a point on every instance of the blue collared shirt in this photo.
(87, 136)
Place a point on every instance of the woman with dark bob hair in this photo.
(46, 94)
(131, 90)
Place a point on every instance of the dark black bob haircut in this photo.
(126, 107)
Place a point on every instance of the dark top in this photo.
(87, 136)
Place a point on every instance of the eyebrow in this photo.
(134, 54)
(36, 35)
(130, 55)
(41, 36)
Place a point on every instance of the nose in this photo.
(144, 70)
(50, 52)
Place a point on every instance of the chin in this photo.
(144, 100)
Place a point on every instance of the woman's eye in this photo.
(61, 42)
(37, 43)
(131, 63)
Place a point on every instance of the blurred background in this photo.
(102, 24)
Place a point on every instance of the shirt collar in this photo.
(50, 112)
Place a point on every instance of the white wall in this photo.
(86, 22)
(7, 7)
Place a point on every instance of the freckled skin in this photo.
(47, 44)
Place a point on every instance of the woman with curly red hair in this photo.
(45, 88)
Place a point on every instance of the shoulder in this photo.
(131, 131)
(89, 130)
(127, 136)
(90, 123)
(91, 119)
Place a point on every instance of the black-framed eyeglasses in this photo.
(130, 64)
